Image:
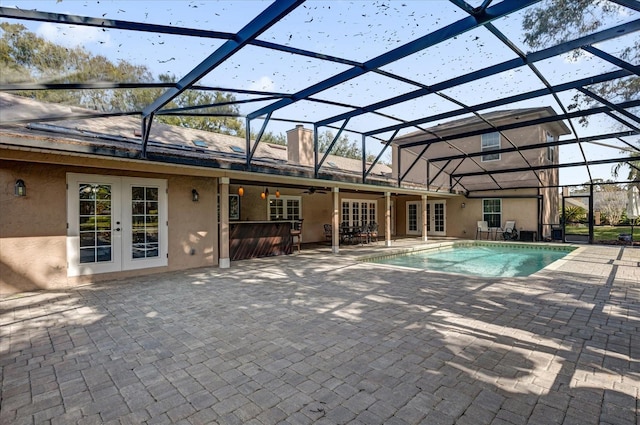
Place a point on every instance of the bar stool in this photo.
(296, 231)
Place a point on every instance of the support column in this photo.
(424, 218)
(335, 221)
(387, 219)
(224, 262)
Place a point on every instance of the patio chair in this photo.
(362, 233)
(373, 231)
(346, 232)
(483, 227)
(509, 233)
(296, 232)
(328, 232)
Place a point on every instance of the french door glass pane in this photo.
(137, 194)
(346, 213)
(413, 217)
(152, 208)
(137, 207)
(364, 213)
(104, 238)
(439, 217)
(103, 254)
(87, 223)
(144, 222)
(372, 212)
(87, 255)
(95, 222)
(151, 194)
(355, 213)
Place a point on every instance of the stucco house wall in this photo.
(33, 229)
(519, 137)
(317, 208)
(534, 206)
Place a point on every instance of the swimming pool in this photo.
(485, 260)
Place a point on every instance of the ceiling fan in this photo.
(313, 190)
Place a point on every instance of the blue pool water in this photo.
(479, 260)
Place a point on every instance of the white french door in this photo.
(436, 218)
(414, 218)
(359, 212)
(393, 218)
(115, 223)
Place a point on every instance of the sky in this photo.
(356, 30)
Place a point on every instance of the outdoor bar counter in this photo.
(253, 239)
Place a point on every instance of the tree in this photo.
(556, 21)
(223, 119)
(25, 57)
(275, 139)
(612, 203)
(343, 146)
(574, 214)
(634, 170)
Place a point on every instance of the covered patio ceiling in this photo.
(373, 70)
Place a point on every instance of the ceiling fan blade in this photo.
(313, 190)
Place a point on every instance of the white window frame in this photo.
(286, 200)
(490, 142)
(485, 213)
(353, 209)
(551, 150)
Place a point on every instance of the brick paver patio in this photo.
(317, 338)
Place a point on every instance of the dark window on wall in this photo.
(490, 142)
(492, 212)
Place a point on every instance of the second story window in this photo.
(490, 142)
(551, 150)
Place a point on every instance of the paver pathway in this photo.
(317, 338)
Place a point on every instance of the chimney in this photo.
(300, 146)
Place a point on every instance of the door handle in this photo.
(117, 229)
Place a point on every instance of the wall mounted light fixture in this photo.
(241, 191)
(462, 205)
(20, 188)
(277, 193)
(195, 196)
